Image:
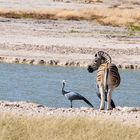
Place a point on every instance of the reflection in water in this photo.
(42, 84)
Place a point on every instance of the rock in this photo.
(41, 62)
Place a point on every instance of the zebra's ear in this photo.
(107, 56)
(101, 53)
(104, 55)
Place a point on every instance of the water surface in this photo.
(42, 84)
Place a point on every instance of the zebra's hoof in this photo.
(101, 108)
(109, 108)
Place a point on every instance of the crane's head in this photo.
(99, 58)
(63, 82)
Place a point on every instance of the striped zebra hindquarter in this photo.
(108, 75)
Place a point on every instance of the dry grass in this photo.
(106, 16)
(62, 128)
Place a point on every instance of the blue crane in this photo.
(70, 95)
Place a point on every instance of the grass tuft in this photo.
(62, 128)
(74, 31)
(134, 28)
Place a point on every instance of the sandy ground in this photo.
(68, 4)
(66, 43)
(124, 115)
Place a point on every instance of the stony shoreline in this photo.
(124, 115)
(53, 62)
(66, 56)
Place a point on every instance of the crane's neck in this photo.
(63, 91)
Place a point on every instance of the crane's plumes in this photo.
(87, 102)
(70, 95)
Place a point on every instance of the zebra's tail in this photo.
(87, 102)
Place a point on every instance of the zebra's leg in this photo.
(99, 95)
(112, 102)
(109, 97)
(102, 105)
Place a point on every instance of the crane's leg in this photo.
(102, 105)
(71, 103)
(109, 96)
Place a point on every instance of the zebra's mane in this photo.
(105, 55)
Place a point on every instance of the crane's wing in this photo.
(73, 96)
(76, 96)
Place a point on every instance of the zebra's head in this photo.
(100, 58)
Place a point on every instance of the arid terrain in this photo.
(69, 33)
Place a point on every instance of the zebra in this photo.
(108, 78)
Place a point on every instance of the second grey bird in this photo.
(70, 95)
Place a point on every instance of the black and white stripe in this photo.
(107, 78)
